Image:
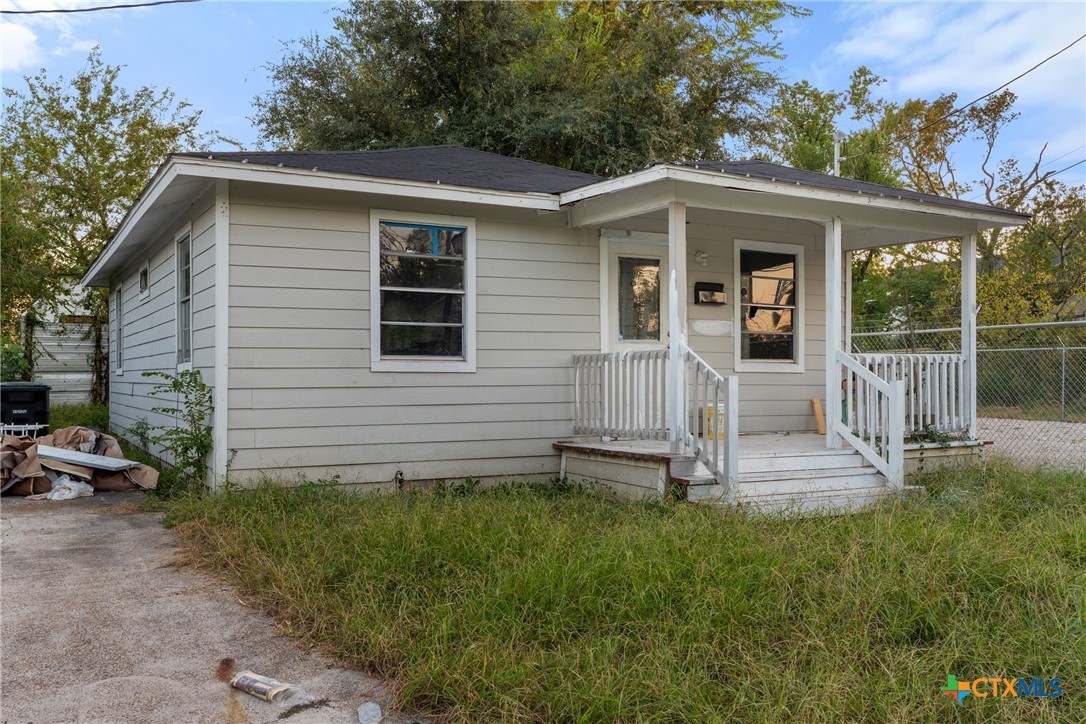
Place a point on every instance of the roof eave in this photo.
(211, 169)
(726, 179)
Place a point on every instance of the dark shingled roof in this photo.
(786, 174)
(459, 166)
(446, 164)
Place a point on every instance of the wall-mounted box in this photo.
(709, 293)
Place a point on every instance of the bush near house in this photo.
(555, 603)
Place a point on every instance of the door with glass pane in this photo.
(638, 290)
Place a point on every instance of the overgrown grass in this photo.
(61, 416)
(560, 604)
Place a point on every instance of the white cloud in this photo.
(925, 49)
(32, 36)
(20, 47)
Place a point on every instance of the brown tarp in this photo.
(19, 461)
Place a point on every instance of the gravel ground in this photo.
(99, 625)
(1036, 442)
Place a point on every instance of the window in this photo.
(423, 282)
(638, 299)
(145, 281)
(118, 347)
(184, 299)
(768, 281)
(633, 290)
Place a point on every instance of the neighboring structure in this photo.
(63, 351)
(438, 312)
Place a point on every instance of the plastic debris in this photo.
(269, 689)
(370, 713)
(65, 488)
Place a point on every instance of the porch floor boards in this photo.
(751, 446)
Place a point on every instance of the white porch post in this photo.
(969, 327)
(834, 329)
(848, 301)
(676, 257)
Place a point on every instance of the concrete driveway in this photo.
(99, 626)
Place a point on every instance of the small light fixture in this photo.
(701, 257)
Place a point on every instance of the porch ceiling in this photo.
(868, 221)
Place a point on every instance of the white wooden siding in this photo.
(63, 361)
(150, 324)
(768, 401)
(302, 395)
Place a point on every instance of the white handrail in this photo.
(709, 425)
(936, 388)
(874, 418)
(624, 395)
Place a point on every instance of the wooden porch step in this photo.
(811, 485)
(821, 502)
(830, 459)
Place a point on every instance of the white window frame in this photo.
(144, 273)
(799, 323)
(385, 363)
(636, 251)
(185, 231)
(118, 347)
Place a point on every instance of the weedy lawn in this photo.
(555, 603)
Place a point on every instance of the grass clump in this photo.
(536, 603)
(84, 415)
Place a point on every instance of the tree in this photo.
(601, 87)
(910, 144)
(75, 157)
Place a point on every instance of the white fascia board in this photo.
(782, 188)
(331, 181)
(235, 171)
(158, 183)
(610, 186)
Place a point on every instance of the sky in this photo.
(214, 54)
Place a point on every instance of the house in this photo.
(64, 349)
(438, 312)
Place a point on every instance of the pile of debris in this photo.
(31, 466)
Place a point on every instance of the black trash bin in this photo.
(24, 408)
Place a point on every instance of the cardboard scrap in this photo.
(24, 472)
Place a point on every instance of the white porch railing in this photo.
(874, 418)
(709, 424)
(624, 395)
(936, 389)
(621, 394)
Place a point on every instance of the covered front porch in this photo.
(755, 277)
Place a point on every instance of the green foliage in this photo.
(190, 440)
(25, 254)
(69, 415)
(1034, 274)
(14, 365)
(75, 155)
(530, 604)
(602, 87)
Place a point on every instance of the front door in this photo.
(637, 290)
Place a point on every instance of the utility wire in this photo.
(96, 8)
(1067, 168)
(967, 105)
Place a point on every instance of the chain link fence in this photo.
(1031, 385)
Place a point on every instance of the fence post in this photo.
(1063, 384)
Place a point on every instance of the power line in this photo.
(1067, 168)
(96, 8)
(967, 105)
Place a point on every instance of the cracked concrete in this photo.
(98, 626)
